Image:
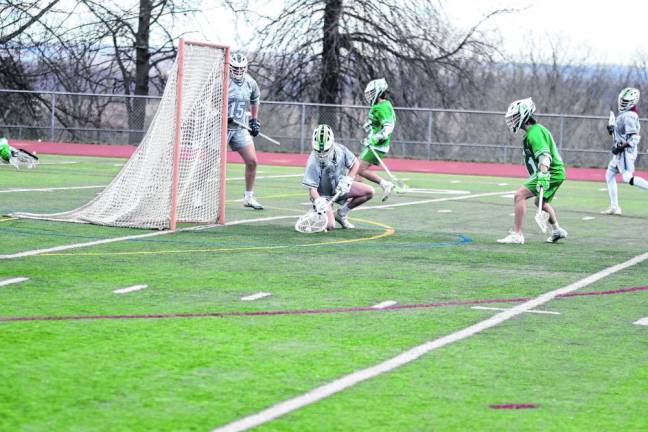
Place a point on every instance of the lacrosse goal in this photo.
(177, 173)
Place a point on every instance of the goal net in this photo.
(177, 173)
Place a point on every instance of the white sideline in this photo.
(503, 309)
(13, 281)
(52, 189)
(209, 226)
(412, 354)
(642, 321)
(130, 289)
(256, 296)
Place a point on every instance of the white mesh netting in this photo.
(140, 196)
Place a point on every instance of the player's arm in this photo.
(353, 170)
(254, 123)
(631, 141)
(543, 176)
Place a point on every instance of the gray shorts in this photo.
(238, 138)
(623, 163)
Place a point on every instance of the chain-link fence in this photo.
(421, 133)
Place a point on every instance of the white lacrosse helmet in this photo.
(518, 113)
(628, 98)
(238, 66)
(323, 141)
(374, 90)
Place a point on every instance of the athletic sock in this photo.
(639, 182)
(610, 178)
(249, 194)
(344, 210)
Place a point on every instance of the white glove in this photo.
(344, 185)
(367, 126)
(321, 205)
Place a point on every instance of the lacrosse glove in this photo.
(610, 129)
(255, 127)
(616, 150)
(344, 185)
(320, 205)
(542, 180)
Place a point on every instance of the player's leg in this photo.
(368, 158)
(242, 143)
(557, 232)
(627, 171)
(610, 180)
(359, 194)
(520, 208)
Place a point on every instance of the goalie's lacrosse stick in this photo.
(312, 221)
(272, 140)
(23, 159)
(401, 187)
(540, 218)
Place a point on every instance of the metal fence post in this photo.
(562, 127)
(53, 117)
(429, 136)
(302, 126)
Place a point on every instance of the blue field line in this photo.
(460, 241)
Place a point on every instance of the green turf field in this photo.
(186, 353)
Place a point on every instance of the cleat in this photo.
(252, 202)
(343, 220)
(387, 190)
(557, 234)
(612, 211)
(512, 238)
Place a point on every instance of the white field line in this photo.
(256, 296)
(130, 289)
(412, 354)
(209, 226)
(383, 305)
(13, 281)
(642, 321)
(503, 309)
(588, 218)
(52, 189)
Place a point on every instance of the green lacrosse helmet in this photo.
(518, 113)
(322, 141)
(374, 90)
(628, 98)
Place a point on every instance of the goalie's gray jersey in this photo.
(627, 123)
(325, 175)
(239, 96)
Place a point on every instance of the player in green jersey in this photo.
(379, 126)
(545, 167)
(6, 151)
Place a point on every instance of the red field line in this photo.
(295, 159)
(310, 311)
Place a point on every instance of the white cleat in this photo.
(388, 188)
(252, 202)
(343, 220)
(557, 234)
(512, 238)
(613, 211)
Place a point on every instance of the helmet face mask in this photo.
(322, 142)
(518, 113)
(374, 90)
(238, 66)
(628, 99)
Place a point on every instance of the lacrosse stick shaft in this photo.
(384, 167)
(262, 135)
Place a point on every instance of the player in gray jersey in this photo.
(625, 131)
(243, 96)
(330, 168)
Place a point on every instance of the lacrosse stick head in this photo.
(542, 220)
(23, 159)
(311, 222)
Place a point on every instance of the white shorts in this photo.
(623, 163)
(238, 138)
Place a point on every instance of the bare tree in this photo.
(17, 17)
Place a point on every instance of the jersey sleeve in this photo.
(632, 125)
(255, 93)
(312, 175)
(538, 142)
(349, 157)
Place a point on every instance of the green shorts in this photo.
(549, 193)
(367, 155)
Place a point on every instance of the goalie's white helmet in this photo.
(322, 141)
(628, 98)
(374, 90)
(238, 66)
(518, 113)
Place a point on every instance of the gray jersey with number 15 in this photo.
(240, 96)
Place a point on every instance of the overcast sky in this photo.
(608, 31)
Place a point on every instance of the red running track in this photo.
(294, 159)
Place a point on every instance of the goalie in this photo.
(544, 164)
(625, 132)
(331, 168)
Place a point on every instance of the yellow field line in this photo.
(387, 232)
(5, 219)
